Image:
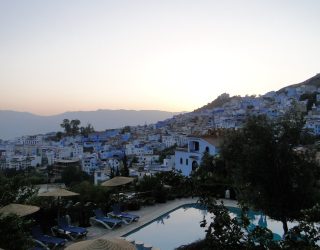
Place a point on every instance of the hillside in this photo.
(218, 102)
(224, 98)
(313, 81)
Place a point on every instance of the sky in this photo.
(71, 55)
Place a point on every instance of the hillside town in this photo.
(187, 136)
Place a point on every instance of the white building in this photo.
(21, 162)
(188, 159)
(90, 163)
(77, 151)
(101, 175)
(169, 140)
(51, 157)
(30, 140)
(132, 149)
(114, 163)
(169, 162)
(313, 120)
(148, 159)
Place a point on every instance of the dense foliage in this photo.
(14, 233)
(15, 189)
(166, 185)
(211, 178)
(270, 169)
(167, 151)
(311, 99)
(73, 175)
(73, 128)
(226, 232)
(271, 166)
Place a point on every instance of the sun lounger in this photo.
(39, 245)
(107, 222)
(125, 217)
(68, 230)
(50, 241)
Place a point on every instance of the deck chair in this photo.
(68, 230)
(39, 245)
(125, 217)
(107, 222)
(50, 241)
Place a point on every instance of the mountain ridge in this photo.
(223, 98)
(16, 123)
(313, 81)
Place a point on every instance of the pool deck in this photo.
(146, 214)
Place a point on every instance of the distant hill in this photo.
(313, 81)
(224, 98)
(218, 102)
(14, 124)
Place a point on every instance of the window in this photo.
(196, 146)
(181, 160)
(187, 162)
(207, 150)
(194, 165)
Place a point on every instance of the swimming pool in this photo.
(182, 226)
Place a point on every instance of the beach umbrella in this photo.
(117, 181)
(19, 209)
(60, 192)
(102, 244)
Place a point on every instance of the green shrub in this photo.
(13, 233)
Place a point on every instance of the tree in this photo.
(59, 135)
(72, 175)
(226, 232)
(13, 233)
(16, 189)
(269, 171)
(90, 192)
(85, 131)
(72, 127)
(74, 124)
(117, 173)
(134, 159)
(124, 170)
(311, 99)
(167, 151)
(66, 126)
(112, 174)
(126, 129)
(306, 234)
(211, 177)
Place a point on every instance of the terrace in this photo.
(147, 214)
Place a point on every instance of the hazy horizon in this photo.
(59, 56)
(11, 121)
(79, 111)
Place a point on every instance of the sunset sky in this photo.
(70, 55)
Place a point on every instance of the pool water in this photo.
(182, 226)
